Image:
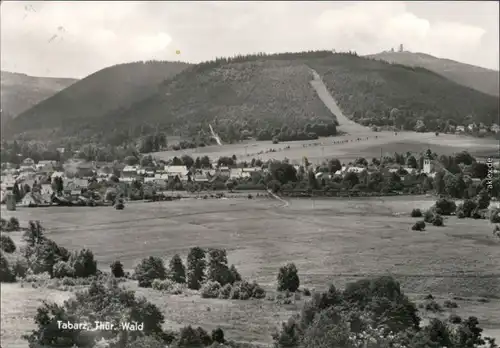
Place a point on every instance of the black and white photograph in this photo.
(250, 174)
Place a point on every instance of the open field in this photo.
(329, 240)
(386, 142)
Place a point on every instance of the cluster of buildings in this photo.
(473, 127)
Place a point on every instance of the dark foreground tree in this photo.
(288, 278)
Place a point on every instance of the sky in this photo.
(78, 38)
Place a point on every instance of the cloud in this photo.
(99, 34)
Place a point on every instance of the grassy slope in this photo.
(481, 79)
(94, 96)
(330, 241)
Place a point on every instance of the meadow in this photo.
(316, 151)
(330, 241)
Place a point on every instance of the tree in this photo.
(149, 269)
(217, 268)
(117, 269)
(479, 170)
(313, 183)
(351, 179)
(196, 265)
(6, 274)
(131, 160)
(218, 335)
(7, 244)
(334, 165)
(439, 183)
(177, 271)
(411, 162)
(288, 278)
(84, 264)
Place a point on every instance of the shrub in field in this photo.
(445, 206)
(416, 213)
(210, 289)
(225, 291)
(288, 278)
(149, 269)
(218, 335)
(63, 269)
(495, 216)
(20, 267)
(43, 255)
(177, 271)
(438, 220)
(450, 304)
(461, 214)
(6, 273)
(433, 306)
(483, 200)
(117, 269)
(196, 265)
(418, 226)
(9, 225)
(191, 337)
(468, 206)
(7, 244)
(244, 290)
(429, 216)
(83, 263)
(454, 319)
(307, 292)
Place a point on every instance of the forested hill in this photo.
(92, 97)
(481, 79)
(266, 95)
(20, 92)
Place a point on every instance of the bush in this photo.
(83, 263)
(168, 286)
(461, 214)
(7, 244)
(416, 213)
(210, 289)
(234, 275)
(429, 216)
(468, 206)
(495, 216)
(117, 269)
(454, 319)
(419, 226)
(307, 292)
(218, 335)
(177, 271)
(450, 304)
(225, 291)
(438, 221)
(190, 337)
(63, 269)
(445, 206)
(6, 273)
(288, 278)
(149, 269)
(433, 306)
(244, 290)
(20, 267)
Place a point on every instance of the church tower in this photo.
(427, 162)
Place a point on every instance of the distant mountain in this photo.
(481, 79)
(261, 96)
(19, 92)
(92, 97)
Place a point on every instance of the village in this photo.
(83, 183)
